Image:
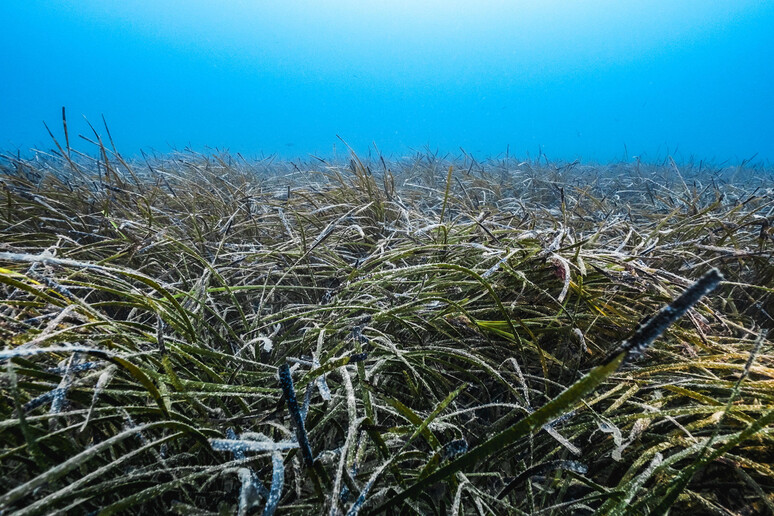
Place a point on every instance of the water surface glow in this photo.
(598, 80)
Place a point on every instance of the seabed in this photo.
(202, 334)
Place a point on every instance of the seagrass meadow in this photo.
(203, 334)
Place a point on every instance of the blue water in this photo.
(595, 80)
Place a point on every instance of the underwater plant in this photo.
(203, 334)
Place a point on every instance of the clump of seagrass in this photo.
(449, 336)
(650, 330)
(566, 401)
